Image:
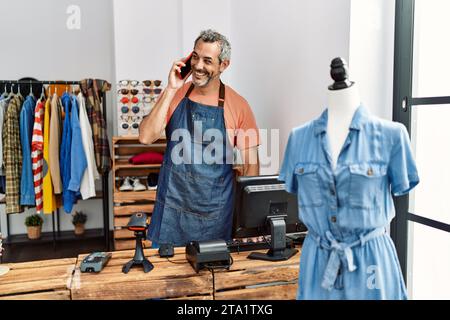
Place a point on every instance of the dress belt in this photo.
(341, 253)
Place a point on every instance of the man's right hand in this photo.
(154, 123)
(174, 81)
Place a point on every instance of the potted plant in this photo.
(3, 269)
(78, 220)
(34, 226)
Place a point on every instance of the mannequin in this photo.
(348, 210)
(343, 100)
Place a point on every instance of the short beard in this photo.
(203, 83)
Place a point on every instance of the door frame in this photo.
(403, 101)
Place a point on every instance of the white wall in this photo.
(37, 43)
(281, 56)
(199, 15)
(371, 62)
(150, 35)
(147, 38)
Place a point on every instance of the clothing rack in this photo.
(105, 176)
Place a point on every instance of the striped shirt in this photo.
(37, 146)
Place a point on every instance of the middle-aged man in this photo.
(203, 117)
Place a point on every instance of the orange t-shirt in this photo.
(240, 122)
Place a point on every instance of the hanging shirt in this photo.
(37, 147)
(27, 197)
(87, 188)
(93, 89)
(4, 100)
(347, 253)
(12, 154)
(78, 161)
(54, 143)
(50, 204)
(64, 157)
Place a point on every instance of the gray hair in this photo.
(212, 36)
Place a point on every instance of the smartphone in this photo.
(186, 69)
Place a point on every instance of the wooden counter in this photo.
(167, 280)
(257, 279)
(46, 279)
(172, 278)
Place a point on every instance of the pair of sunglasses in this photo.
(127, 118)
(127, 91)
(126, 125)
(149, 99)
(126, 109)
(148, 83)
(150, 90)
(125, 83)
(125, 100)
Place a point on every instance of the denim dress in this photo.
(194, 199)
(347, 253)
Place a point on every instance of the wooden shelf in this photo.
(128, 210)
(118, 139)
(130, 137)
(127, 203)
(133, 196)
(123, 164)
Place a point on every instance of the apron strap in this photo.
(221, 102)
(221, 94)
(189, 90)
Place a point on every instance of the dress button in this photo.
(333, 193)
(333, 219)
(370, 172)
(301, 170)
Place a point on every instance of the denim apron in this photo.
(194, 200)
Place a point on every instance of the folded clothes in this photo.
(148, 157)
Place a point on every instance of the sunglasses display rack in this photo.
(135, 99)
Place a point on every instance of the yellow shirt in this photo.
(49, 200)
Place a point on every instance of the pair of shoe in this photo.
(132, 184)
(152, 181)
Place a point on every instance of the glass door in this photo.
(421, 230)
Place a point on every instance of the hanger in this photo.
(31, 90)
(18, 90)
(42, 97)
(11, 94)
(73, 87)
